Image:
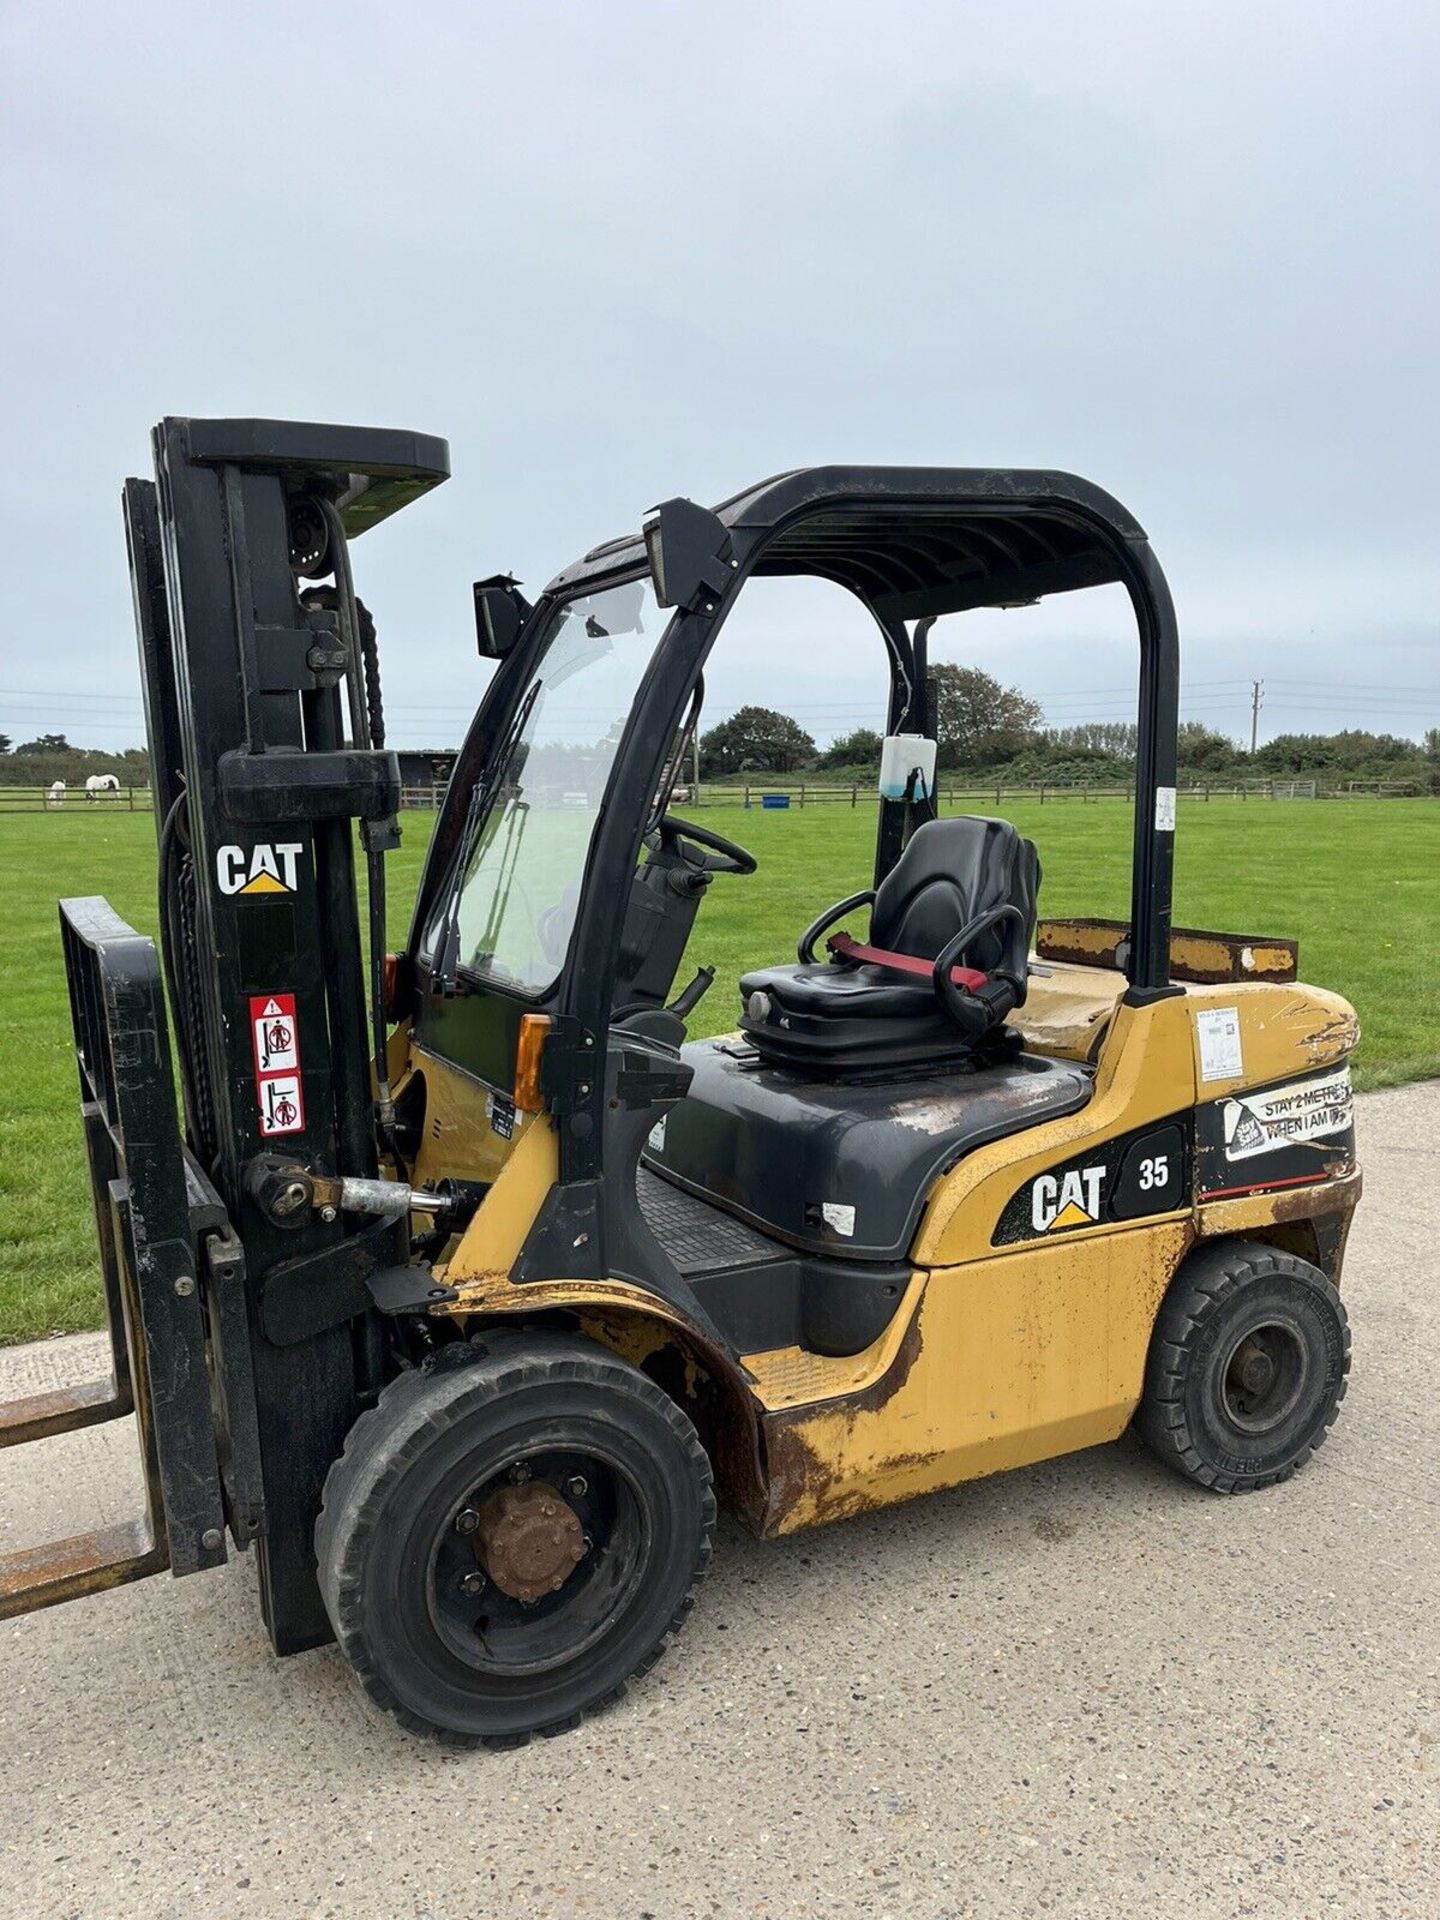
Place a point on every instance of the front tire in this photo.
(1247, 1368)
(511, 1535)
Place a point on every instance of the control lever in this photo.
(687, 1002)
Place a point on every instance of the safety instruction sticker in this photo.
(1288, 1116)
(1164, 809)
(275, 1040)
(1218, 1031)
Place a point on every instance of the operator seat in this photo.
(969, 877)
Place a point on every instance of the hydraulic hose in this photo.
(178, 958)
(367, 723)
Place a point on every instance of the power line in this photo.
(1356, 686)
(1317, 692)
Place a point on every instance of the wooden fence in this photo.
(953, 799)
(811, 794)
(974, 795)
(74, 800)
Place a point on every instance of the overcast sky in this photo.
(616, 252)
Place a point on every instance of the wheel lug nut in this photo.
(577, 1486)
(519, 1474)
(467, 1520)
(473, 1583)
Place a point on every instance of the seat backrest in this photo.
(950, 871)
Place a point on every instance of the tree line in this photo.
(985, 728)
(982, 727)
(977, 722)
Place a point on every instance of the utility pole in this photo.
(1257, 689)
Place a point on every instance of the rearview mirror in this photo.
(501, 610)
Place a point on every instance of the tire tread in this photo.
(1207, 1281)
(385, 1438)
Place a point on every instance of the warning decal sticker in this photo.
(1221, 1055)
(1288, 1116)
(275, 1040)
(1293, 1135)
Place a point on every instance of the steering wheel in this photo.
(728, 857)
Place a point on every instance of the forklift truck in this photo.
(458, 1284)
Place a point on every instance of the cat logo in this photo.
(263, 869)
(1066, 1200)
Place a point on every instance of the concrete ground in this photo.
(1085, 1689)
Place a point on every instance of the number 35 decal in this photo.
(1131, 1178)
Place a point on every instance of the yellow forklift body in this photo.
(996, 1357)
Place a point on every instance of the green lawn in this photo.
(1357, 882)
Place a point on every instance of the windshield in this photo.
(538, 798)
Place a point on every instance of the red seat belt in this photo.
(841, 945)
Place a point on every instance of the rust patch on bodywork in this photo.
(707, 1386)
(1312, 1222)
(1326, 1197)
(1206, 959)
(796, 1473)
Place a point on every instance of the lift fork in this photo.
(173, 1275)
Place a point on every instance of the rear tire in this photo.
(1247, 1367)
(534, 1455)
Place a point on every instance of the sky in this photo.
(616, 252)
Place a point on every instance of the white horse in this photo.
(56, 796)
(101, 785)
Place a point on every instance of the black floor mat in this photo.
(699, 1238)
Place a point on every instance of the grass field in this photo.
(1357, 882)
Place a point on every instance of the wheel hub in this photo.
(1255, 1369)
(529, 1540)
(1263, 1377)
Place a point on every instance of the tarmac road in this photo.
(1084, 1689)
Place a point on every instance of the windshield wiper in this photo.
(445, 971)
